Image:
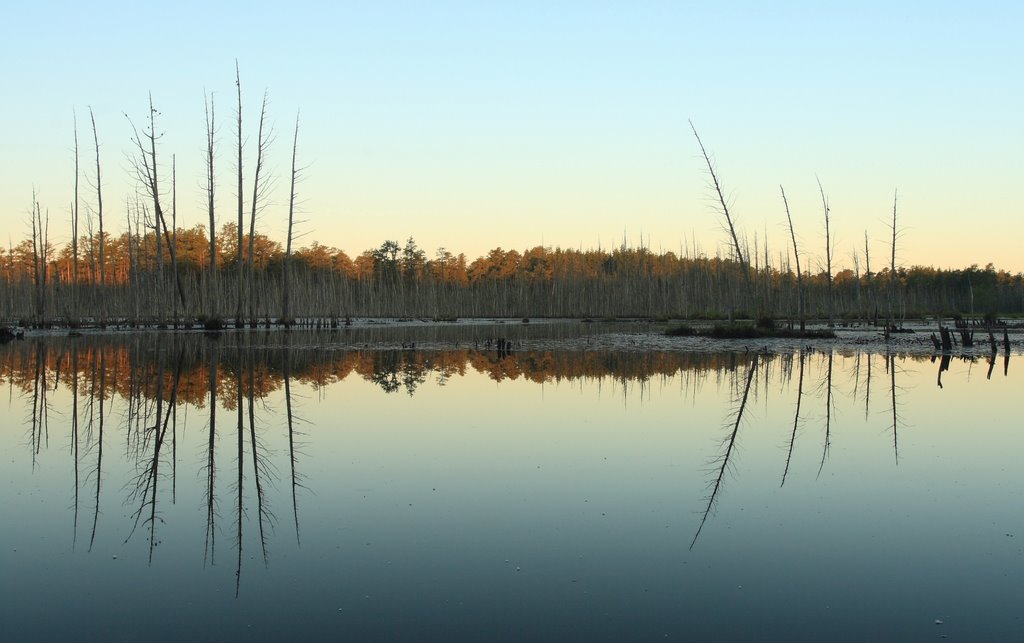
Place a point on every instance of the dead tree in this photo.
(211, 290)
(286, 289)
(867, 273)
(99, 216)
(260, 188)
(729, 223)
(241, 205)
(147, 172)
(174, 232)
(74, 237)
(828, 251)
(40, 231)
(892, 266)
(799, 272)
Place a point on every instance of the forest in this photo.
(136, 284)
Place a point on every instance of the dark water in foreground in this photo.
(159, 487)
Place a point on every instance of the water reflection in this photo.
(722, 461)
(132, 397)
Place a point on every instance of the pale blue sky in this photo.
(473, 125)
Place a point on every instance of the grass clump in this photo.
(681, 331)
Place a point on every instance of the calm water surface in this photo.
(271, 486)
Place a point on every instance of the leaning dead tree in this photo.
(796, 255)
(730, 226)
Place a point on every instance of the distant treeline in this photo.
(396, 280)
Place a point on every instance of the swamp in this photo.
(500, 480)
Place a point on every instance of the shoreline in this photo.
(515, 334)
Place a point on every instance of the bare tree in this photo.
(286, 288)
(892, 266)
(133, 265)
(260, 188)
(241, 204)
(40, 230)
(211, 298)
(74, 237)
(147, 172)
(174, 233)
(729, 223)
(99, 216)
(828, 250)
(855, 258)
(867, 280)
(867, 256)
(799, 272)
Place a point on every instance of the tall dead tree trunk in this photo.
(132, 277)
(286, 288)
(74, 238)
(828, 252)
(174, 235)
(241, 207)
(211, 280)
(99, 216)
(158, 290)
(260, 185)
(799, 272)
(892, 265)
(867, 272)
(855, 258)
(35, 259)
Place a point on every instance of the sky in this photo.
(475, 125)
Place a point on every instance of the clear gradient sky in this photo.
(473, 125)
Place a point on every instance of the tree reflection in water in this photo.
(142, 381)
(721, 463)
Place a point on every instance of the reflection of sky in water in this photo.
(511, 509)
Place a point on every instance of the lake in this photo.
(505, 482)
